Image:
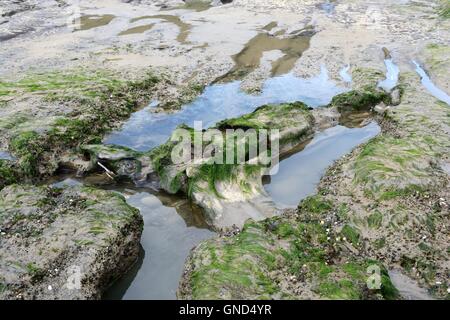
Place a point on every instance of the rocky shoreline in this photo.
(383, 207)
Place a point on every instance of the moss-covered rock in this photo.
(359, 100)
(229, 193)
(98, 101)
(295, 256)
(47, 233)
(385, 204)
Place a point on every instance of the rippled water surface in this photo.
(145, 129)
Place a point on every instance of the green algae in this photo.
(103, 101)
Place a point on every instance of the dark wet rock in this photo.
(49, 236)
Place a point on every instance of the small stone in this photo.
(50, 288)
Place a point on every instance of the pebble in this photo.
(50, 288)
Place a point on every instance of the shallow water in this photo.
(392, 73)
(5, 155)
(145, 130)
(193, 5)
(185, 28)
(300, 173)
(430, 86)
(407, 287)
(249, 58)
(327, 6)
(172, 227)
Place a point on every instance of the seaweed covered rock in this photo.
(69, 243)
(230, 193)
(88, 104)
(233, 193)
(294, 256)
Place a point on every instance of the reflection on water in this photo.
(430, 86)
(300, 173)
(185, 28)
(172, 227)
(392, 73)
(5, 155)
(87, 22)
(145, 130)
(249, 58)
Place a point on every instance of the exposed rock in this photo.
(50, 236)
